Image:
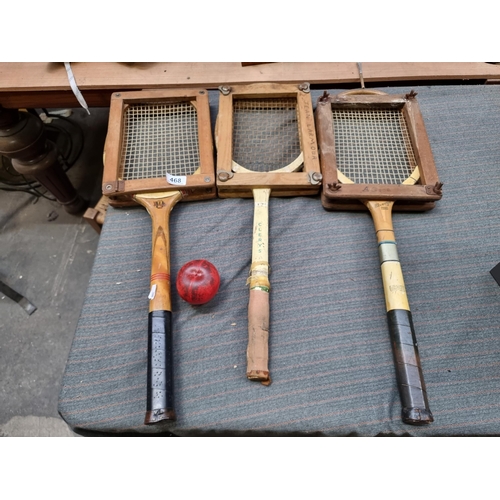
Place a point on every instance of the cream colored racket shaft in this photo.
(258, 305)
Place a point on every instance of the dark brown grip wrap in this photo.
(409, 374)
(160, 386)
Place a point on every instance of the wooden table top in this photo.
(46, 84)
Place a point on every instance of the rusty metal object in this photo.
(48, 171)
(24, 141)
(21, 135)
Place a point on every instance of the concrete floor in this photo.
(46, 255)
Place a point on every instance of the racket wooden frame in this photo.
(232, 184)
(159, 198)
(199, 186)
(337, 196)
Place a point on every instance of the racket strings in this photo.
(159, 138)
(265, 133)
(373, 146)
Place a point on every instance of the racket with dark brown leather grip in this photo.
(372, 147)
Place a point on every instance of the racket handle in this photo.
(408, 370)
(160, 387)
(258, 337)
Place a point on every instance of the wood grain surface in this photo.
(45, 84)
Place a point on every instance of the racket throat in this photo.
(381, 212)
(159, 206)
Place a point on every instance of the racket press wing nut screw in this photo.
(224, 176)
(315, 178)
(436, 189)
(114, 186)
(324, 98)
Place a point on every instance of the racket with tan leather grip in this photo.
(266, 147)
(160, 162)
(372, 146)
(265, 139)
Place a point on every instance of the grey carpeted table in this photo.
(331, 360)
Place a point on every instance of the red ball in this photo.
(198, 281)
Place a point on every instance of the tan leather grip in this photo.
(258, 337)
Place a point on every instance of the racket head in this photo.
(155, 133)
(266, 135)
(266, 138)
(374, 147)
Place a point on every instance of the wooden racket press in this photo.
(418, 197)
(233, 182)
(120, 187)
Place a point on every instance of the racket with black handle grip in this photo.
(372, 146)
(160, 140)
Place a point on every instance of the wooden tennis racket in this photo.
(373, 147)
(160, 151)
(264, 138)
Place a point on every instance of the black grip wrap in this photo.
(408, 370)
(160, 388)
